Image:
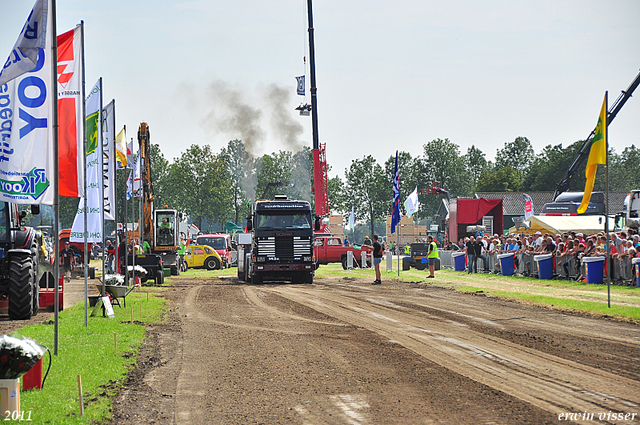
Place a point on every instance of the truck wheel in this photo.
(175, 271)
(240, 275)
(212, 263)
(308, 278)
(160, 277)
(92, 272)
(344, 262)
(256, 278)
(21, 287)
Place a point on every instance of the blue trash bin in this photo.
(636, 261)
(545, 265)
(458, 261)
(595, 269)
(506, 264)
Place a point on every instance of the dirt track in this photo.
(347, 352)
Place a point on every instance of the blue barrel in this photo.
(545, 265)
(506, 264)
(458, 261)
(636, 261)
(595, 268)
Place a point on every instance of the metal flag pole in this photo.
(84, 178)
(101, 144)
(606, 200)
(56, 199)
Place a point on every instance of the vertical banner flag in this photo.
(70, 114)
(395, 211)
(94, 174)
(121, 149)
(130, 154)
(597, 155)
(134, 182)
(33, 37)
(411, 203)
(352, 219)
(108, 159)
(300, 81)
(26, 127)
(528, 207)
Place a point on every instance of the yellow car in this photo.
(202, 256)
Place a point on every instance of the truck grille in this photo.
(284, 247)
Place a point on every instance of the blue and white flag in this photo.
(300, 81)
(24, 55)
(411, 203)
(26, 128)
(351, 219)
(395, 211)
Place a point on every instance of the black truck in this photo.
(281, 242)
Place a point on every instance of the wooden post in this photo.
(80, 393)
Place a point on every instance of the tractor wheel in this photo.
(35, 284)
(212, 263)
(21, 287)
(175, 271)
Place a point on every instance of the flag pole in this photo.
(84, 182)
(56, 166)
(101, 142)
(606, 200)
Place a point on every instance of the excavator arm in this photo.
(583, 154)
(147, 184)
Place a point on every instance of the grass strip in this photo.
(89, 352)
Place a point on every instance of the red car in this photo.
(221, 243)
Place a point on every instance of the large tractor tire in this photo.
(21, 287)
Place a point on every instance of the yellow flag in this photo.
(597, 155)
(121, 149)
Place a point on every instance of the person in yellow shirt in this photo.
(432, 255)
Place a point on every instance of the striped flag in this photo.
(395, 211)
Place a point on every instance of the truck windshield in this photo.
(284, 221)
(4, 220)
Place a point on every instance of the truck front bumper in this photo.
(266, 267)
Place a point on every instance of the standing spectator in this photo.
(111, 253)
(67, 258)
(377, 259)
(480, 247)
(432, 255)
(471, 252)
(121, 253)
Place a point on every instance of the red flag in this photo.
(70, 114)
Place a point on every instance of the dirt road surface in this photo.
(345, 352)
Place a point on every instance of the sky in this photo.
(390, 75)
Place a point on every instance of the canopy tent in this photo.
(586, 224)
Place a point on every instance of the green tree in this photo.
(624, 174)
(504, 179)
(368, 188)
(240, 171)
(475, 163)
(273, 169)
(518, 155)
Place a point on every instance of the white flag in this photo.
(130, 157)
(528, 207)
(33, 37)
(411, 204)
(109, 159)
(134, 182)
(94, 174)
(26, 131)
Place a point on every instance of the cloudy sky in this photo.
(390, 75)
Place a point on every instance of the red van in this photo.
(221, 243)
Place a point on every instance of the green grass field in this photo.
(101, 353)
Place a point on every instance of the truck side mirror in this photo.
(35, 209)
(316, 226)
(249, 224)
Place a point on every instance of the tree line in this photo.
(215, 187)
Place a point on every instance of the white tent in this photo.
(553, 224)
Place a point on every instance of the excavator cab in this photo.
(165, 231)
